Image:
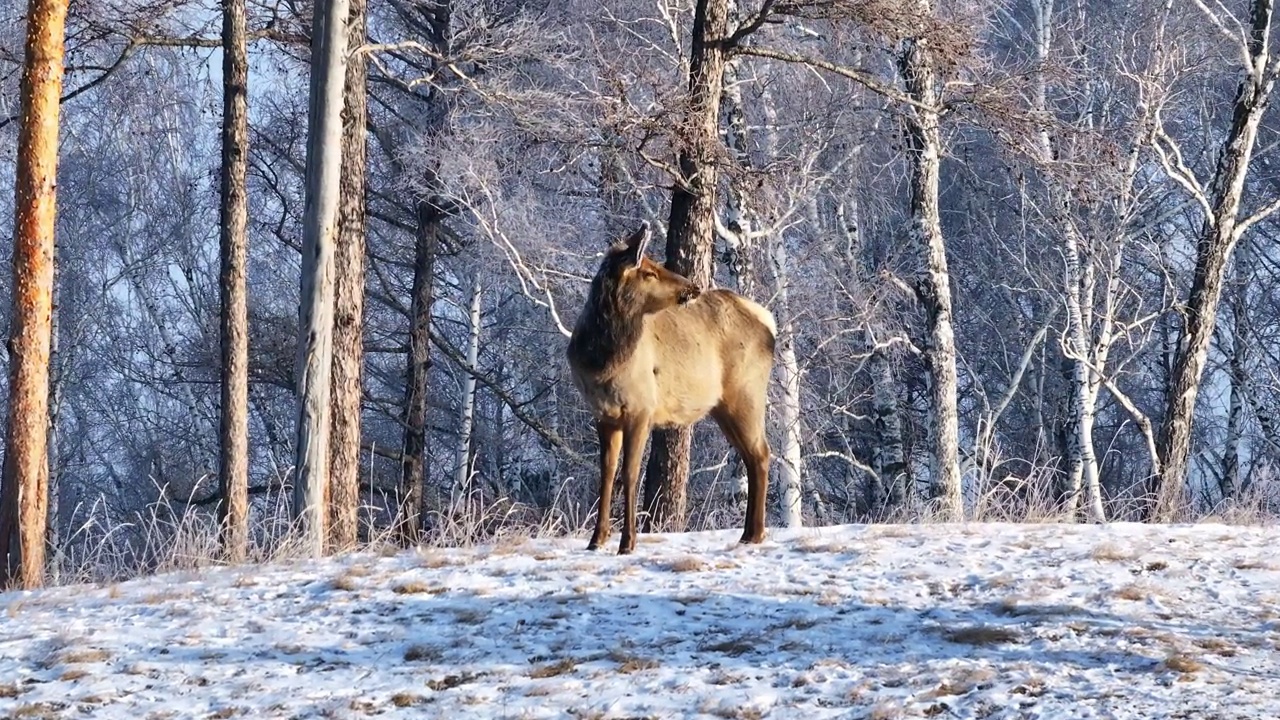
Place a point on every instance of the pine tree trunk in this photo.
(233, 428)
(320, 219)
(690, 243)
(413, 450)
(348, 319)
(1213, 252)
(23, 494)
(933, 283)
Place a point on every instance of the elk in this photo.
(652, 349)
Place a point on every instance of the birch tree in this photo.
(932, 283)
(320, 217)
(1222, 226)
(23, 498)
(234, 419)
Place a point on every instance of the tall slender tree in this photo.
(690, 239)
(348, 350)
(932, 282)
(233, 472)
(319, 230)
(1221, 229)
(24, 495)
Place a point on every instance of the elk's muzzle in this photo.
(689, 294)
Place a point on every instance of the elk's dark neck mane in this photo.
(609, 328)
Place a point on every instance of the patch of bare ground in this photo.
(981, 635)
(10, 690)
(560, 667)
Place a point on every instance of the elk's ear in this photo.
(638, 243)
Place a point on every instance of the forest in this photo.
(314, 267)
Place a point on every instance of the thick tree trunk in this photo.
(891, 486)
(348, 319)
(320, 218)
(933, 283)
(233, 427)
(413, 450)
(467, 408)
(1213, 253)
(690, 242)
(24, 494)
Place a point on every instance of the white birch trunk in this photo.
(788, 406)
(466, 417)
(319, 235)
(933, 279)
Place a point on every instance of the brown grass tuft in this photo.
(346, 583)
(733, 648)
(422, 653)
(80, 655)
(688, 563)
(554, 669)
(10, 690)
(415, 587)
(1217, 646)
(981, 635)
(628, 663)
(404, 699)
(73, 674)
(1183, 663)
(1113, 552)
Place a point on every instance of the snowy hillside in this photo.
(979, 621)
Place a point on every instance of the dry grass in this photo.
(733, 648)
(886, 710)
(1183, 663)
(422, 653)
(10, 690)
(346, 583)
(404, 699)
(732, 712)
(554, 669)
(73, 674)
(71, 656)
(452, 681)
(629, 663)
(416, 587)
(1113, 552)
(981, 635)
(36, 711)
(1217, 646)
(1136, 592)
(688, 563)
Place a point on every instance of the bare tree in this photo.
(348, 320)
(932, 282)
(24, 495)
(233, 429)
(320, 218)
(690, 239)
(1221, 229)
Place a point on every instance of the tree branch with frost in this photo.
(1239, 38)
(862, 78)
(1139, 417)
(848, 458)
(1256, 218)
(1176, 168)
(524, 274)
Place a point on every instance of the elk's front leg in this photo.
(610, 437)
(634, 438)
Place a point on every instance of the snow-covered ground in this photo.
(974, 621)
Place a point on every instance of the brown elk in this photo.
(651, 349)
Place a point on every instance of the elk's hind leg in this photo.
(743, 425)
(610, 444)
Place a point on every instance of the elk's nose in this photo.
(689, 294)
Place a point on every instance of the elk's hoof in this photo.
(751, 539)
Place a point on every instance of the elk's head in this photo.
(638, 282)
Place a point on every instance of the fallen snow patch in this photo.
(964, 621)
